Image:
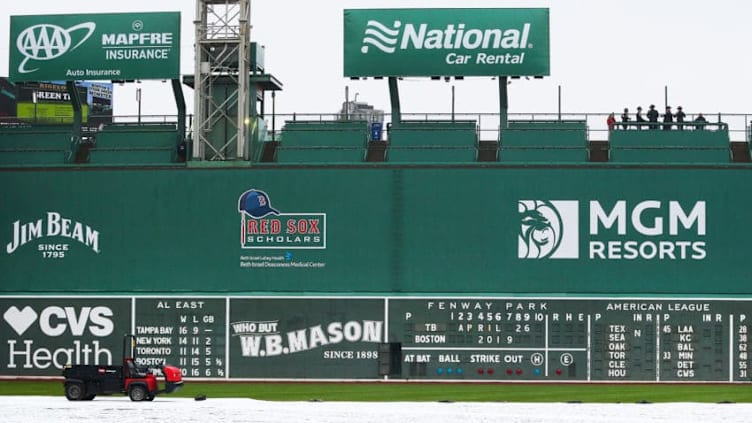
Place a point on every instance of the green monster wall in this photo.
(376, 230)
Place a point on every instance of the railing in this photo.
(5, 120)
(488, 123)
(738, 124)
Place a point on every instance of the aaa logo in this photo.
(46, 42)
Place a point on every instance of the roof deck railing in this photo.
(737, 124)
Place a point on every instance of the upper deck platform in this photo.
(320, 139)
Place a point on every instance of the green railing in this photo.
(418, 137)
(118, 142)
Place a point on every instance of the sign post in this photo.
(138, 99)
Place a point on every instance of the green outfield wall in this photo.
(365, 230)
(415, 272)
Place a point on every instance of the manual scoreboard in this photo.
(360, 338)
(572, 339)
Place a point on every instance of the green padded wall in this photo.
(433, 141)
(658, 146)
(377, 228)
(323, 141)
(544, 141)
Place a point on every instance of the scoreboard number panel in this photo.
(187, 332)
(538, 339)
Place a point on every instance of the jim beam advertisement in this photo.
(52, 235)
(39, 336)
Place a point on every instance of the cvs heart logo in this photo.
(20, 320)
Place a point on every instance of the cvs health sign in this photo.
(39, 336)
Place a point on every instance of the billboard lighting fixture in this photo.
(459, 78)
(435, 78)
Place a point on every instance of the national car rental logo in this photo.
(380, 36)
(548, 229)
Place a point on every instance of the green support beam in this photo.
(394, 98)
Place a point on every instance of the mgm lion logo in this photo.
(548, 229)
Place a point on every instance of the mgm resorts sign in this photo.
(446, 42)
(95, 47)
(645, 230)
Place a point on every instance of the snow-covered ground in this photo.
(29, 409)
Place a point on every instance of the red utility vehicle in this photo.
(84, 382)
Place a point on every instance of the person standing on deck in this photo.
(638, 118)
(611, 122)
(668, 118)
(653, 117)
(625, 118)
(679, 115)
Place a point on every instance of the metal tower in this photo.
(221, 84)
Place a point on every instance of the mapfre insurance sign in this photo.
(95, 46)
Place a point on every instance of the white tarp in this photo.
(30, 409)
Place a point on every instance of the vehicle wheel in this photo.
(150, 398)
(138, 393)
(74, 391)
